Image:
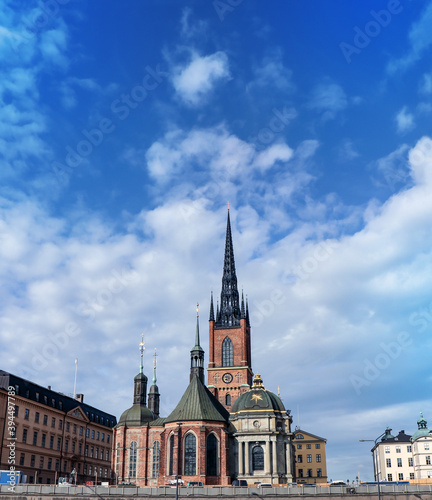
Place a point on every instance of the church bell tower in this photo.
(229, 371)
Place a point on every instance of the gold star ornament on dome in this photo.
(256, 398)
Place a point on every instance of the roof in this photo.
(400, 438)
(198, 403)
(135, 416)
(309, 434)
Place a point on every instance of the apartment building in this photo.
(310, 458)
(393, 457)
(46, 434)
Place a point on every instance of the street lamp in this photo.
(178, 458)
(376, 474)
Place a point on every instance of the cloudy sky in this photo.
(125, 128)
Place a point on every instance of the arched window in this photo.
(227, 352)
(228, 400)
(257, 458)
(133, 459)
(212, 455)
(190, 455)
(156, 453)
(171, 455)
(118, 459)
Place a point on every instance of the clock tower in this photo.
(229, 371)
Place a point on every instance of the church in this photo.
(233, 428)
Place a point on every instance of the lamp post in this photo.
(178, 459)
(376, 473)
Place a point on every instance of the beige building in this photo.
(46, 435)
(393, 457)
(310, 458)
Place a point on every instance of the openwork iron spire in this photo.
(229, 314)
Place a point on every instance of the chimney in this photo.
(80, 398)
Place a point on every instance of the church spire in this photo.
(230, 308)
(153, 395)
(140, 381)
(197, 354)
(212, 316)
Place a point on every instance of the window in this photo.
(107, 455)
(37, 417)
(411, 475)
(43, 440)
(108, 438)
(35, 438)
(51, 442)
(93, 434)
(74, 428)
(398, 449)
(73, 446)
(428, 460)
(87, 432)
(300, 459)
(32, 460)
(426, 446)
(132, 459)
(49, 463)
(388, 462)
(86, 450)
(97, 435)
(103, 437)
(81, 430)
(24, 438)
(317, 446)
(67, 426)
(228, 400)
(60, 425)
(227, 352)
(57, 465)
(308, 446)
(97, 453)
(387, 449)
(319, 472)
(91, 451)
(80, 448)
(37, 396)
(53, 402)
(212, 455)
(22, 458)
(299, 436)
(409, 449)
(53, 422)
(156, 456)
(399, 462)
(410, 462)
(58, 443)
(318, 457)
(257, 458)
(45, 421)
(190, 455)
(67, 445)
(299, 446)
(400, 476)
(26, 414)
(309, 473)
(171, 455)
(389, 477)
(61, 405)
(45, 398)
(309, 458)
(300, 473)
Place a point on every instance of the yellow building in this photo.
(310, 458)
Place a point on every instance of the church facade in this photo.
(231, 429)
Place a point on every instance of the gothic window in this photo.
(227, 352)
(171, 455)
(257, 458)
(228, 400)
(190, 455)
(133, 459)
(118, 459)
(156, 453)
(212, 455)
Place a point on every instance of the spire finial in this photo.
(197, 309)
(228, 204)
(154, 366)
(142, 348)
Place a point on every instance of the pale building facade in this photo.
(393, 457)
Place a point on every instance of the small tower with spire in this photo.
(140, 381)
(197, 354)
(153, 395)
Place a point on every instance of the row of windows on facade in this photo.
(399, 462)
(400, 476)
(309, 446)
(189, 458)
(94, 434)
(88, 470)
(309, 473)
(426, 446)
(59, 405)
(91, 451)
(309, 458)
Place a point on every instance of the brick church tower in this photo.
(230, 368)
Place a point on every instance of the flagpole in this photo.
(76, 370)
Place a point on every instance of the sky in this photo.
(126, 127)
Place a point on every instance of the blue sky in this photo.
(124, 130)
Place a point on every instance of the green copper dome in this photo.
(135, 416)
(422, 428)
(258, 400)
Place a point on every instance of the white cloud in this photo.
(328, 99)
(197, 79)
(404, 121)
(272, 73)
